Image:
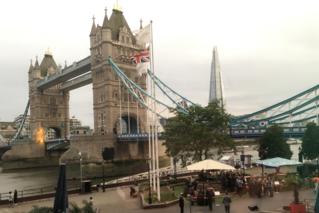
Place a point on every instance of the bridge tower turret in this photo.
(49, 109)
(115, 110)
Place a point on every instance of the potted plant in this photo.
(294, 182)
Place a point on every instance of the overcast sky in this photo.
(268, 50)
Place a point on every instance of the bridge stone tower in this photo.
(115, 110)
(49, 109)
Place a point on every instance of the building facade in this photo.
(76, 128)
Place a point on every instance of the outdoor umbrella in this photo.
(315, 179)
(277, 162)
(61, 196)
(209, 165)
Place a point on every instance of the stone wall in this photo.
(24, 151)
(91, 148)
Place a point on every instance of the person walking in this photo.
(226, 202)
(181, 203)
(10, 199)
(210, 198)
(15, 197)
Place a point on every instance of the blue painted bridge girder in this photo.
(75, 70)
(288, 132)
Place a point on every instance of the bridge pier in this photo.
(91, 148)
(24, 151)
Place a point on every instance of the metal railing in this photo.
(48, 191)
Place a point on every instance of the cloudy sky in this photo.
(268, 50)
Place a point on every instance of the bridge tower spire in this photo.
(93, 28)
(106, 19)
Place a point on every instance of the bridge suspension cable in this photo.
(181, 102)
(139, 93)
(16, 136)
(292, 111)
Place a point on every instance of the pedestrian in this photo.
(91, 202)
(10, 198)
(181, 203)
(226, 202)
(210, 197)
(15, 197)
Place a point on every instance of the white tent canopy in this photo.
(209, 165)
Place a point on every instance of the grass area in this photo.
(167, 194)
(178, 190)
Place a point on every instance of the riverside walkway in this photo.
(117, 200)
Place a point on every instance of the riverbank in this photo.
(30, 163)
(29, 177)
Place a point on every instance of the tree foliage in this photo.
(193, 135)
(37, 209)
(273, 144)
(310, 142)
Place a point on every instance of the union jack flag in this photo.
(141, 57)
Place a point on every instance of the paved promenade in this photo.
(117, 200)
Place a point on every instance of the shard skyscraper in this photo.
(215, 86)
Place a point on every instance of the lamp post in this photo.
(80, 155)
(103, 185)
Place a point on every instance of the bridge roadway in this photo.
(289, 132)
(73, 72)
(63, 144)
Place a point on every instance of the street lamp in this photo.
(103, 186)
(80, 155)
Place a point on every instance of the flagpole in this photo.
(149, 146)
(155, 119)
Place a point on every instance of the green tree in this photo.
(273, 144)
(193, 135)
(310, 142)
(73, 208)
(37, 209)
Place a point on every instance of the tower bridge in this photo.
(114, 108)
(121, 101)
(120, 105)
(49, 94)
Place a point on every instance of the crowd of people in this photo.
(201, 190)
(232, 182)
(259, 187)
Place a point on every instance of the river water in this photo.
(23, 179)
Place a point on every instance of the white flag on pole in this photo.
(143, 37)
